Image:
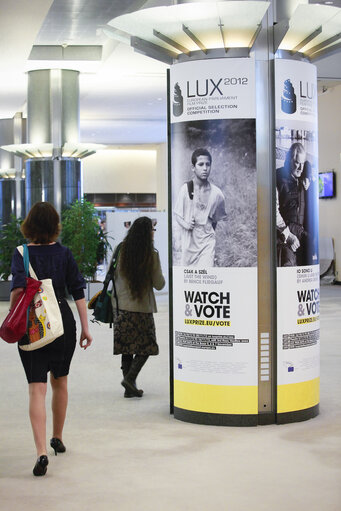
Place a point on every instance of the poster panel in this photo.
(214, 235)
(298, 276)
(119, 221)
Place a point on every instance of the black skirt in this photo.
(56, 356)
(134, 333)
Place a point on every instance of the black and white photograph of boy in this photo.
(214, 197)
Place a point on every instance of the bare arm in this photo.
(186, 225)
(83, 317)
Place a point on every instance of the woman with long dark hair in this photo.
(50, 259)
(137, 273)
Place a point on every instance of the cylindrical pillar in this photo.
(41, 183)
(53, 117)
(53, 107)
(38, 107)
(239, 314)
(9, 198)
(12, 131)
(214, 203)
(18, 136)
(285, 8)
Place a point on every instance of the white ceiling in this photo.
(122, 97)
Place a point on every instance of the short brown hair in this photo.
(42, 224)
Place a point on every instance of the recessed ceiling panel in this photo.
(308, 18)
(238, 20)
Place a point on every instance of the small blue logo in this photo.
(288, 99)
(290, 369)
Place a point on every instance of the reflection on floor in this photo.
(130, 454)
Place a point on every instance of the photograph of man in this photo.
(293, 182)
(200, 205)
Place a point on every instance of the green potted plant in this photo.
(83, 235)
(10, 238)
(103, 245)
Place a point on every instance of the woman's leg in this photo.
(128, 381)
(126, 361)
(59, 404)
(37, 410)
(136, 366)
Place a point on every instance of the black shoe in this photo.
(57, 445)
(131, 388)
(40, 467)
(127, 393)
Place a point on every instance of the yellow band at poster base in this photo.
(224, 399)
(298, 396)
(227, 399)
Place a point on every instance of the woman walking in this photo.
(138, 271)
(50, 259)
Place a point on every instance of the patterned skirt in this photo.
(134, 333)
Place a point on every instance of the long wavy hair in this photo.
(136, 257)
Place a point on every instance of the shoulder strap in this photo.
(23, 251)
(115, 256)
(111, 272)
(114, 261)
(190, 189)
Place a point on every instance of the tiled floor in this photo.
(131, 455)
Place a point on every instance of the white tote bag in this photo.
(45, 322)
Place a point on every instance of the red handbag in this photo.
(14, 326)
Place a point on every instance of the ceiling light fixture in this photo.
(170, 33)
(180, 32)
(69, 150)
(7, 173)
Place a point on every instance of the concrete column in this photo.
(285, 8)
(53, 107)
(53, 117)
(12, 190)
(54, 180)
(18, 165)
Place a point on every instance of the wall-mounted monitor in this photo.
(327, 185)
